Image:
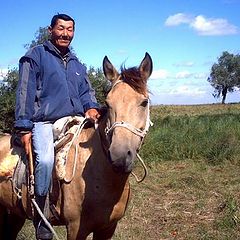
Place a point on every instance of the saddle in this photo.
(15, 166)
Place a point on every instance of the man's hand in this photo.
(26, 140)
(92, 114)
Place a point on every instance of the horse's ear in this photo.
(109, 70)
(146, 66)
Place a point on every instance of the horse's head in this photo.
(128, 112)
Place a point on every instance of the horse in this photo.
(98, 191)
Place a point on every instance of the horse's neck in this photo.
(102, 135)
(95, 180)
(99, 162)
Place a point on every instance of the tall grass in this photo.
(211, 135)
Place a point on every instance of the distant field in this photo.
(193, 110)
(193, 187)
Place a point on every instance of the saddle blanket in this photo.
(65, 130)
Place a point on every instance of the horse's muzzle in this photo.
(121, 161)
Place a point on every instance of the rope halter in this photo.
(137, 131)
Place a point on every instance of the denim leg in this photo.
(43, 147)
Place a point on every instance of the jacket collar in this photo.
(53, 49)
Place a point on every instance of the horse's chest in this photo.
(107, 203)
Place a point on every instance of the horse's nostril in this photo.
(129, 153)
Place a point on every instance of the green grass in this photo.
(212, 136)
(184, 200)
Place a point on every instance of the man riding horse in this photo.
(52, 84)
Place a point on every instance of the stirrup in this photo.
(43, 232)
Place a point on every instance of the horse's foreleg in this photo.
(15, 224)
(10, 224)
(3, 219)
(74, 232)
(105, 234)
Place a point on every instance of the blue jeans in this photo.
(43, 147)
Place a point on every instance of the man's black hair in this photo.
(62, 16)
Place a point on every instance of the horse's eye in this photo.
(144, 103)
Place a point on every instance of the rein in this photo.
(77, 133)
(137, 131)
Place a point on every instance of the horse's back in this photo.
(5, 146)
(9, 155)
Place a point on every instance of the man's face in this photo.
(62, 34)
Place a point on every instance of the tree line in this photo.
(224, 78)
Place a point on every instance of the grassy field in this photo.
(192, 189)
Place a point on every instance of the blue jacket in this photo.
(50, 88)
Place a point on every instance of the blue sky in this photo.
(184, 38)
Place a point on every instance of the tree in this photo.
(224, 76)
(7, 99)
(99, 83)
(41, 36)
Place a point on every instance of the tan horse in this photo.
(96, 197)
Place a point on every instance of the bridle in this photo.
(137, 131)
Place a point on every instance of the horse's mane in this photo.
(133, 77)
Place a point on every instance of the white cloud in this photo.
(183, 74)
(163, 74)
(193, 90)
(203, 25)
(177, 19)
(3, 73)
(159, 74)
(201, 75)
(219, 26)
(169, 87)
(184, 64)
(187, 90)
